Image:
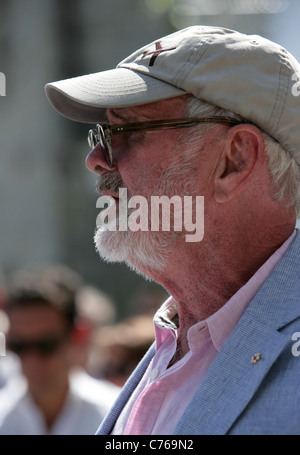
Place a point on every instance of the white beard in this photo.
(142, 250)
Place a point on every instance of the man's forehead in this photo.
(170, 108)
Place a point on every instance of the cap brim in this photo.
(85, 98)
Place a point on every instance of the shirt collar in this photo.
(221, 323)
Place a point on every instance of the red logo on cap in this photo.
(158, 50)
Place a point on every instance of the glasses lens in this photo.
(15, 346)
(48, 346)
(92, 139)
(44, 347)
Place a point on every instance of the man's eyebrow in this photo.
(119, 116)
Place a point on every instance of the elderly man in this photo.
(206, 112)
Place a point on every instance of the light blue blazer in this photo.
(237, 396)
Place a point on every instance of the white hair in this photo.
(283, 169)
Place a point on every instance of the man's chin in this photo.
(111, 245)
(138, 250)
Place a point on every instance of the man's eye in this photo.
(134, 137)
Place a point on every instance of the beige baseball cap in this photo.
(247, 74)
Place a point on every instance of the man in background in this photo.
(52, 394)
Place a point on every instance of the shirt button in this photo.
(154, 374)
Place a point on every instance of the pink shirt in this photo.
(161, 397)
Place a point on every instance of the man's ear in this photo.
(243, 148)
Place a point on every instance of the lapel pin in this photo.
(256, 357)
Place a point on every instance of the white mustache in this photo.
(109, 182)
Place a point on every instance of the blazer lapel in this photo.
(232, 379)
(110, 420)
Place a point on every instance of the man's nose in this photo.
(96, 161)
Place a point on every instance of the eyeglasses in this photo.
(44, 346)
(103, 133)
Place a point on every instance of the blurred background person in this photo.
(53, 394)
(9, 362)
(118, 348)
(94, 311)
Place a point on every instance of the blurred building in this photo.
(47, 197)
